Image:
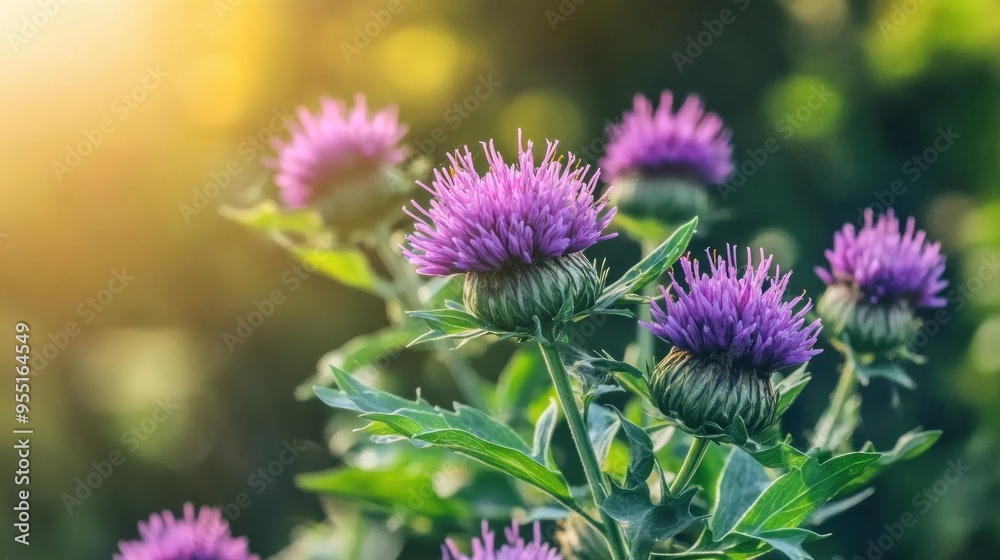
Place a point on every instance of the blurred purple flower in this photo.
(737, 320)
(518, 213)
(333, 146)
(885, 265)
(204, 536)
(688, 143)
(515, 549)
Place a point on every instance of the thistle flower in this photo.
(516, 231)
(878, 277)
(337, 157)
(730, 333)
(515, 549)
(660, 161)
(201, 536)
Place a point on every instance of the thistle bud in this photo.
(711, 400)
(878, 328)
(512, 297)
(667, 199)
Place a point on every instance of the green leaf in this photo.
(602, 425)
(910, 445)
(544, 429)
(884, 369)
(448, 323)
(643, 459)
(791, 498)
(650, 268)
(647, 523)
(840, 506)
(368, 487)
(790, 387)
(743, 481)
(787, 541)
(778, 456)
(467, 431)
(346, 265)
(268, 217)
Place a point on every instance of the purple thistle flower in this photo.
(334, 146)
(515, 549)
(513, 214)
(886, 265)
(688, 143)
(204, 536)
(736, 320)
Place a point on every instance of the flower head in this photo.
(514, 214)
(201, 536)
(885, 265)
(515, 549)
(335, 146)
(738, 320)
(688, 143)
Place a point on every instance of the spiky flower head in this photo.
(196, 536)
(515, 549)
(516, 231)
(337, 156)
(878, 277)
(730, 332)
(689, 144)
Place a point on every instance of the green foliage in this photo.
(467, 431)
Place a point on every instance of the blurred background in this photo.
(130, 124)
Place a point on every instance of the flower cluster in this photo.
(335, 146)
(517, 213)
(196, 536)
(515, 549)
(739, 320)
(689, 142)
(885, 265)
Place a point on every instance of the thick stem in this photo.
(846, 387)
(578, 429)
(408, 286)
(691, 462)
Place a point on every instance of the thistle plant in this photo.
(493, 253)
(201, 535)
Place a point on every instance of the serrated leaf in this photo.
(787, 541)
(795, 495)
(886, 370)
(544, 429)
(602, 425)
(910, 445)
(448, 323)
(651, 267)
(647, 523)
(778, 456)
(467, 430)
(642, 457)
(346, 265)
(743, 480)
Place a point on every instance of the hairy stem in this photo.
(834, 414)
(581, 438)
(691, 462)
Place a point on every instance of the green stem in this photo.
(647, 343)
(694, 456)
(578, 429)
(408, 286)
(846, 387)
